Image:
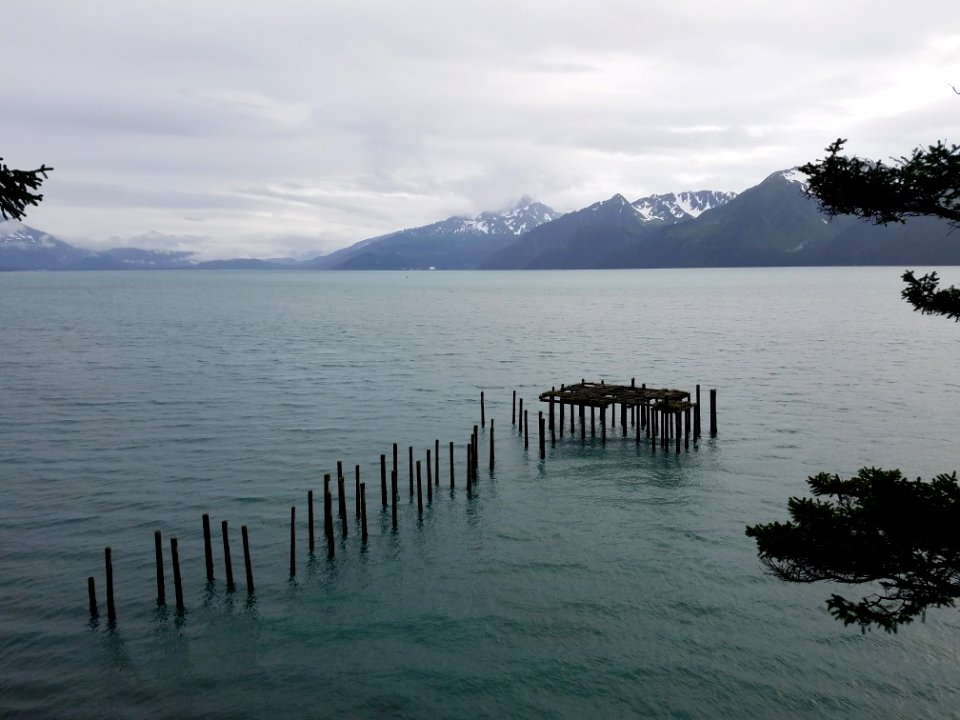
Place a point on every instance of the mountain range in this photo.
(773, 223)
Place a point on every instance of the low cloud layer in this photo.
(295, 127)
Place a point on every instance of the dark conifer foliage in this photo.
(17, 190)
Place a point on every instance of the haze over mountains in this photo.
(771, 224)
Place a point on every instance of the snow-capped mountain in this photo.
(25, 248)
(457, 242)
(677, 207)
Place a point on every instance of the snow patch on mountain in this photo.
(676, 207)
(793, 175)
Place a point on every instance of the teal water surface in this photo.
(605, 581)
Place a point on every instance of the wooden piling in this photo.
(92, 597)
(436, 458)
(429, 482)
(686, 428)
(419, 491)
(393, 487)
(491, 444)
(356, 498)
(227, 560)
(476, 451)
(429, 468)
(623, 418)
(603, 423)
(593, 422)
(310, 520)
(247, 565)
(520, 421)
(469, 467)
(513, 412)
(363, 512)
(526, 432)
(177, 582)
(678, 431)
(207, 547)
(395, 468)
(342, 506)
(161, 585)
(111, 607)
(327, 514)
(383, 479)
(483, 416)
(339, 469)
(543, 436)
(696, 417)
(713, 411)
(552, 425)
(562, 403)
(342, 502)
(293, 541)
(328, 511)
(451, 464)
(410, 468)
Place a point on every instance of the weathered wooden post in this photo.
(686, 427)
(363, 512)
(476, 451)
(111, 606)
(342, 506)
(603, 423)
(696, 417)
(429, 481)
(410, 468)
(227, 560)
(393, 486)
(552, 425)
(357, 491)
(177, 583)
(429, 468)
(328, 513)
(469, 467)
(562, 403)
(161, 586)
(436, 458)
(483, 416)
(293, 541)
(520, 425)
(419, 491)
(383, 479)
(623, 418)
(593, 421)
(451, 463)
(339, 469)
(207, 547)
(92, 596)
(526, 432)
(247, 565)
(677, 428)
(491, 444)
(713, 412)
(543, 435)
(310, 520)
(513, 412)
(395, 456)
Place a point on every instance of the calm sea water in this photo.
(607, 581)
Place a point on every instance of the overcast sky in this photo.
(291, 128)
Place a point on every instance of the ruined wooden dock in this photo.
(659, 414)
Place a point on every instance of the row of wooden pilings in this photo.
(432, 465)
(658, 422)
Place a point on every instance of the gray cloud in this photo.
(299, 126)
